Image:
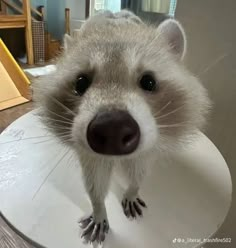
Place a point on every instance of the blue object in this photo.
(173, 4)
(112, 5)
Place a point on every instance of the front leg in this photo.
(96, 179)
(132, 204)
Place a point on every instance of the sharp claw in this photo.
(124, 203)
(141, 202)
(84, 219)
(102, 238)
(132, 212)
(85, 222)
(88, 229)
(95, 232)
(105, 226)
(101, 235)
(127, 213)
(126, 209)
(137, 209)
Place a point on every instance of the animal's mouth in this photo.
(113, 132)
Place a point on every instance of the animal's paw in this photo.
(133, 207)
(94, 230)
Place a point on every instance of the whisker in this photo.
(169, 113)
(2, 143)
(66, 139)
(56, 120)
(62, 125)
(63, 106)
(181, 124)
(62, 138)
(66, 132)
(60, 131)
(63, 117)
(51, 126)
(65, 136)
(70, 158)
(51, 171)
(60, 135)
(57, 126)
(64, 142)
(44, 141)
(164, 107)
(214, 63)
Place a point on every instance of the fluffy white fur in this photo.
(117, 49)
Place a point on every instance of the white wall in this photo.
(77, 8)
(211, 32)
(77, 12)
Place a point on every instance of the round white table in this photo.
(42, 194)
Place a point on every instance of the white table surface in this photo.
(42, 195)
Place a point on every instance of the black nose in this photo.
(113, 132)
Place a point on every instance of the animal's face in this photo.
(120, 88)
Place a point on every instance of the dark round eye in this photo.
(148, 83)
(81, 84)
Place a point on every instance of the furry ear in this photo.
(175, 36)
(68, 41)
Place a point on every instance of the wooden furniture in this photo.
(22, 20)
(14, 84)
(67, 21)
(2, 8)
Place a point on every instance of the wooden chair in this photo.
(22, 20)
(2, 8)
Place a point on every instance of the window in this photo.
(98, 5)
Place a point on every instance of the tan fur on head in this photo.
(115, 50)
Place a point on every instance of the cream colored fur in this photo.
(116, 49)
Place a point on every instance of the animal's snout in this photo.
(113, 132)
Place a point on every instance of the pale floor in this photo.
(8, 238)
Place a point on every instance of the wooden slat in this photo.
(20, 21)
(67, 21)
(12, 25)
(12, 21)
(13, 6)
(35, 11)
(28, 32)
(12, 18)
(3, 8)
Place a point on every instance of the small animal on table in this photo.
(121, 96)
